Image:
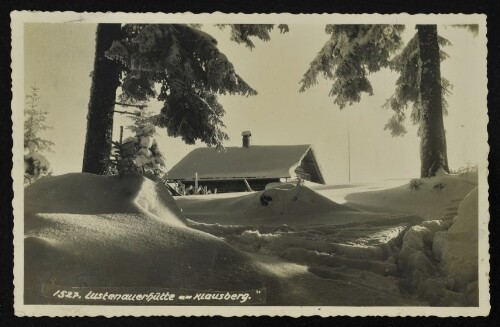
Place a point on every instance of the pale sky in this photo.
(59, 58)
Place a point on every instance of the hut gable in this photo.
(254, 162)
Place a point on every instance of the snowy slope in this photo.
(82, 229)
(376, 238)
(87, 230)
(457, 249)
(276, 206)
(430, 201)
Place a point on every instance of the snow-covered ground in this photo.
(365, 244)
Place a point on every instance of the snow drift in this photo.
(88, 230)
(298, 205)
(440, 263)
(376, 239)
(83, 229)
(435, 198)
(457, 250)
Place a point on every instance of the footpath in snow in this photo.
(385, 238)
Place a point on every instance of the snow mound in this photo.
(88, 230)
(290, 185)
(457, 248)
(433, 198)
(80, 193)
(298, 205)
(440, 263)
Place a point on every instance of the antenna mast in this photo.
(349, 153)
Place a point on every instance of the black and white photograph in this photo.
(236, 164)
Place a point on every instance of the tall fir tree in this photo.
(421, 84)
(35, 164)
(354, 51)
(105, 81)
(181, 61)
(433, 152)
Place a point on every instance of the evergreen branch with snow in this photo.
(190, 71)
(242, 33)
(351, 53)
(407, 92)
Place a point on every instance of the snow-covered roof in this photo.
(257, 161)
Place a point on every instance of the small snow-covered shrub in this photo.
(439, 186)
(140, 154)
(465, 169)
(36, 166)
(415, 184)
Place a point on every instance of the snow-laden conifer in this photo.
(176, 64)
(140, 153)
(35, 164)
(355, 51)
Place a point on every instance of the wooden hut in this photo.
(235, 168)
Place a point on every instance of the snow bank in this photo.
(457, 249)
(339, 192)
(87, 230)
(290, 185)
(439, 263)
(83, 229)
(92, 194)
(392, 247)
(412, 256)
(436, 198)
(297, 205)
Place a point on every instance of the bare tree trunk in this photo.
(433, 153)
(105, 81)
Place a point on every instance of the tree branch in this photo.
(140, 106)
(127, 113)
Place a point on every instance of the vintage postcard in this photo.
(250, 164)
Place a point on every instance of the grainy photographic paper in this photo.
(250, 164)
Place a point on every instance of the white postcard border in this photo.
(17, 55)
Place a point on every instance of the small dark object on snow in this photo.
(265, 199)
(439, 186)
(415, 184)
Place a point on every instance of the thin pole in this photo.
(349, 153)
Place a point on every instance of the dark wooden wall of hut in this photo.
(226, 186)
